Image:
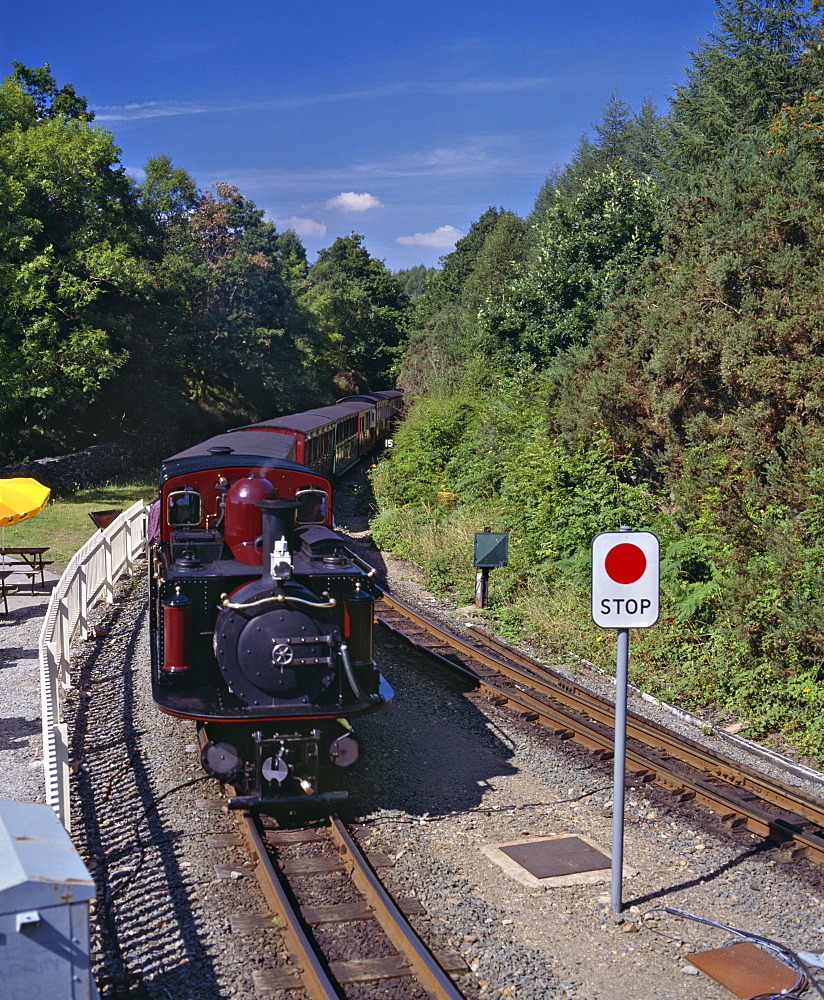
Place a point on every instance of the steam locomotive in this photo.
(261, 618)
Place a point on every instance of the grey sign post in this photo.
(491, 551)
(625, 595)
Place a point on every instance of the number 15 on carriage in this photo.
(625, 579)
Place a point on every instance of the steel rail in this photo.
(422, 963)
(716, 764)
(657, 755)
(312, 974)
(319, 984)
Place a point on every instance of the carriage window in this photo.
(312, 508)
(184, 507)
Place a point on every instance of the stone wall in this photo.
(65, 473)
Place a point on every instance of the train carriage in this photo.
(330, 439)
(313, 435)
(386, 405)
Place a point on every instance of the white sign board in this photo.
(625, 579)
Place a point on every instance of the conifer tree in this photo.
(739, 79)
(623, 141)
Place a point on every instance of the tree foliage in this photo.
(245, 323)
(739, 79)
(448, 347)
(623, 141)
(150, 308)
(71, 275)
(359, 306)
(659, 353)
(586, 248)
(414, 280)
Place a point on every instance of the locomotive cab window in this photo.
(184, 507)
(312, 508)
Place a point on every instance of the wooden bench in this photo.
(31, 565)
(24, 569)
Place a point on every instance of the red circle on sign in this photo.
(625, 563)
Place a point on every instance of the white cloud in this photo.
(442, 237)
(307, 228)
(137, 174)
(351, 202)
(137, 111)
(151, 109)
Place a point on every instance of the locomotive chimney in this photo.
(278, 536)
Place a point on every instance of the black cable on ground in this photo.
(784, 954)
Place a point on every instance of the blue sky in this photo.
(400, 121)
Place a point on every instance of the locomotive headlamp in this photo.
(280, 561)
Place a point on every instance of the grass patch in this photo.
(64, 524)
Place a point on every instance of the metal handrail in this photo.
(89, 577)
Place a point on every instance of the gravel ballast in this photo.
(444, 774)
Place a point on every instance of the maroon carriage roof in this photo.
(304, 422)
(373, 397)
(340, 410)
(278, 447)
(309, 420)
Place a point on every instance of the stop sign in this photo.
(625, 579)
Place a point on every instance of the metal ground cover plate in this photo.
(744, 969)
(554, 861)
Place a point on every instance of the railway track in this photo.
(742, 796)
(298, 867)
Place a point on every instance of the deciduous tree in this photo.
(71, 269)
(360, 307)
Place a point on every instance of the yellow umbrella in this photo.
(21, 498)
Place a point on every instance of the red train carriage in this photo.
(312, 435)
(331, 439)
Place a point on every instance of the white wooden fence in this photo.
(90, 577)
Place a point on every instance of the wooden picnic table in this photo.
(32, 560)
(4, 575)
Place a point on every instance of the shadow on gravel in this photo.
(16, 728)
(10, 656)
(17, 616)
(431, 751)
(706, 879)
(141, 887)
